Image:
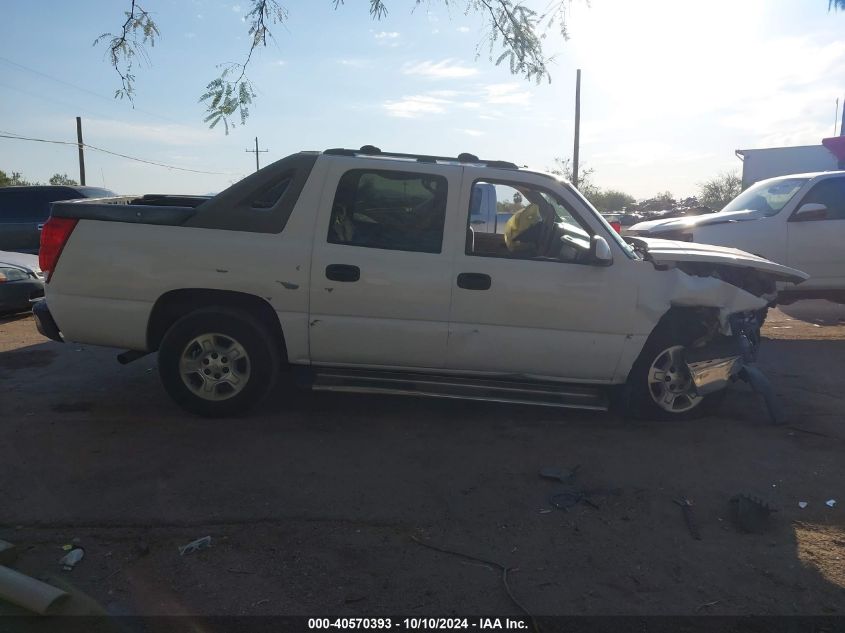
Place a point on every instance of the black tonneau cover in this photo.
(234, 209)
(149, 209)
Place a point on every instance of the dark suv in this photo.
(23, 211)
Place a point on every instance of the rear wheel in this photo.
(217, 362)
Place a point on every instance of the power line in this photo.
(106, 151)
(80, 88)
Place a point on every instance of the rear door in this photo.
(817, 245)
(380, 274)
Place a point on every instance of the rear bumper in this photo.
(44, 321)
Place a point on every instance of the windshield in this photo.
(769, 196)
(618, 238)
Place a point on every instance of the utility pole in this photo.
(81, 145)
(842, 130)
(256, 151)
(836, 117)
(577, 148)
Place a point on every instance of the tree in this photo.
(604, 200)
(720, 190)
(62, 179)
(15, 180)
(563, 167)
(513, 33)
(609, 200)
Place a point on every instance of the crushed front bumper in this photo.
(44, 321)
(712, 366)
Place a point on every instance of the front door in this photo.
(380, 280)
(817, 245)
(525, 300)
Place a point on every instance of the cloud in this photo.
(462, 29)
(445, 69)
(416, 106)
(106, 131)
(355, 63)
(506, 93)
(236, 8)
(387, 35)
(471, 132)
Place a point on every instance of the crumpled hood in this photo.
(673, 251)
(654, 227)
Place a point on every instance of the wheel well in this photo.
(688, 322)
(683, 323)
(175, 304)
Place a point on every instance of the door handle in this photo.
(343, 272)
(474, 281)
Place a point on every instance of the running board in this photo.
(545, 393)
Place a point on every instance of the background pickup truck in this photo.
(797, 220)
(364, 271)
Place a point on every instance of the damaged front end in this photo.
(720, 296)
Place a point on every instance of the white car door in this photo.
(537, 312)
(380, 275)
(815, 240)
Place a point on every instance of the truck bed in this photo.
(149, 209)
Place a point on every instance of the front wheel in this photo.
(217, 362)
(660, 385)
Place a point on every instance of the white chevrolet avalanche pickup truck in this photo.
(797, 220)
(362, 270)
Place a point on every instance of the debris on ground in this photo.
(504, 569)
(72, 558)
(569, 498)
(29, 593)
(750, 514)
(689, 519)
(760, 384)
(802, 504)
(830, 503)
(564, 477)
(193, 546)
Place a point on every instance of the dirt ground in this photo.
(314, 502)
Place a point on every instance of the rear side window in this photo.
(393, 210)
(268, 198)
(831, 193)
(30, 204)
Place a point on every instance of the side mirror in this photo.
(600, 250)
(810, 211)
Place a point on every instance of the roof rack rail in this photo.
(371, 150)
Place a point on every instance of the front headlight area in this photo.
(12, 274)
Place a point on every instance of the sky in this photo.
(670, 88)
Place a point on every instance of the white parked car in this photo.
(797, 220)
(363, 271)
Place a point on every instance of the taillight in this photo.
(617, 226)
(54, 236)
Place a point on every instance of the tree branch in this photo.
(137, 31)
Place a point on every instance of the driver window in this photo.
(393, 210)
(516, 221)
(831, 193)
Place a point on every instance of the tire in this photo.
(197, 370)
(663, 351)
